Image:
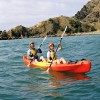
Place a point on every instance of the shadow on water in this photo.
(61, 78)
(54, 79)
(46, 85)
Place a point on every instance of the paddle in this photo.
(43, 41)
(57, 48)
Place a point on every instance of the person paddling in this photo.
(51, 55)
(32, 53)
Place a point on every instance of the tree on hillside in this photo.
(19, 32)
(56, 25)
(76, 26)
(4, 35)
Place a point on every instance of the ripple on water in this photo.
(18, 82)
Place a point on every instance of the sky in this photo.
(31, 12)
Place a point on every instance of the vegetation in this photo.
(90, 13)
(56, 25)
(4, 35)
(86, 20)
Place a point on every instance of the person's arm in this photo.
(49, 59)
(28, 53)
(30, 56)
(59, 47)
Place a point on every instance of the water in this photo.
(20, 83)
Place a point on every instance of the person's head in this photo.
(31, 45)
(51, 46)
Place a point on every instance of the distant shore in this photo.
(84, 33)
(73, 34)
(59, 35)
(80, 34)
(88, 33)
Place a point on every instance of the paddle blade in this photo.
(48, 70)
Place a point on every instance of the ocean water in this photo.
(20, 83)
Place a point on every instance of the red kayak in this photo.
(78, 67)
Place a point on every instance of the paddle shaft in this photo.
(61, 38)
(43, 41)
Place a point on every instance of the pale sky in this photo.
(30, 12)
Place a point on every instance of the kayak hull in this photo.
(79, 67)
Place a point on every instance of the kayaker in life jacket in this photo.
(33, 53)
(51, 55)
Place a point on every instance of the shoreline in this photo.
(88, 33)
(59, 35)
(77, 34)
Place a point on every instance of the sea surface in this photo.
(17, 82)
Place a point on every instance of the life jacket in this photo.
(52, 55)
(33, 53)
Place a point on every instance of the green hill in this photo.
(85, 20)
(90, 13)
(53, 26)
